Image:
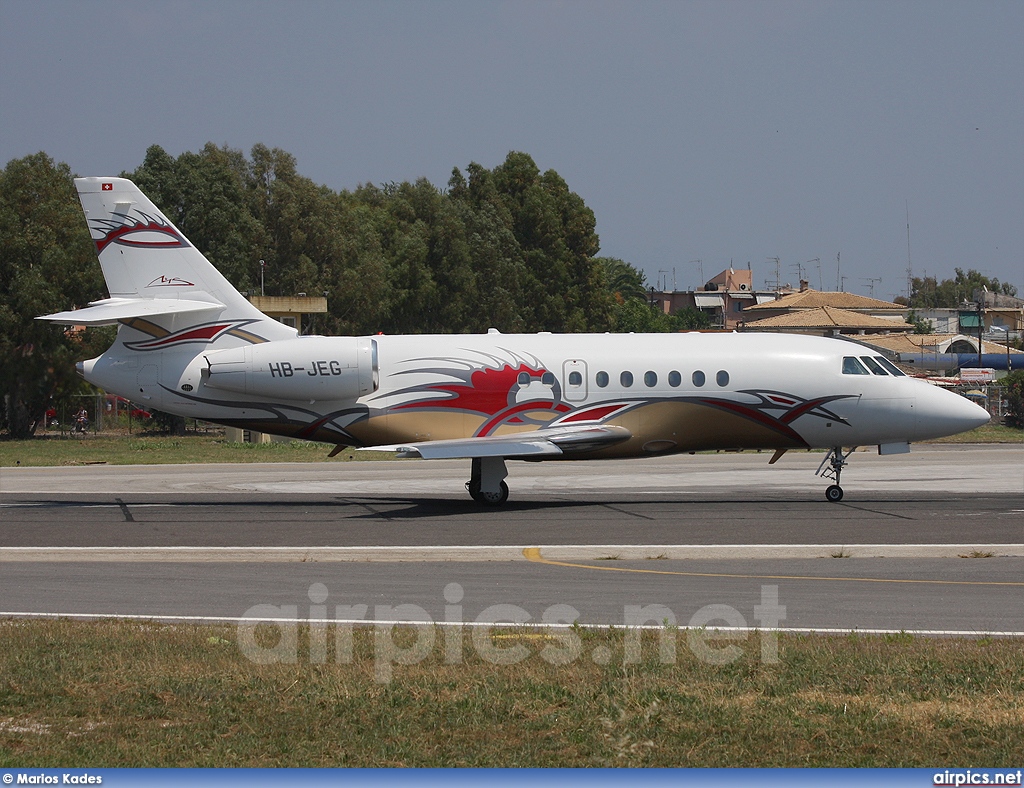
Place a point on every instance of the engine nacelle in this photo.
(306, 368)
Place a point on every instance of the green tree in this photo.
(357, 275)
(927, 293)
(495, 256)
(637, 315)
(205, 194)
(556, 231)
(47, 264)
(690, 319)
(622, 280)
(921, 326)
(1014, 383)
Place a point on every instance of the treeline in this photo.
(929, 293)
(510, 247)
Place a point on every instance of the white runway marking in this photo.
(504, 624)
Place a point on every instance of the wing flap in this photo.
(552, 442)
(110, 310)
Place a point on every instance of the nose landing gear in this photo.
(832, 468)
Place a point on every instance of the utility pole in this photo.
(981, 324)
(263, 264)
(838, 277)
(909, 270)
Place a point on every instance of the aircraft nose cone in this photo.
(941, 413)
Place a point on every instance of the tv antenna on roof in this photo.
(871, 283)
(818, 261)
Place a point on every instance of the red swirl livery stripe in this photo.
(756, 416)
(593, 414)
(121, 235)
(204, 334)
(506, 415)
(806, 407)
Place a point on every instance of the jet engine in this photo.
(306, 368)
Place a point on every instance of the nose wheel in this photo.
(832, 468)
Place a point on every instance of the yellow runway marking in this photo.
(533, 554)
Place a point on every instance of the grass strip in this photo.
(164, 450)
(124, 449)
(109, 694)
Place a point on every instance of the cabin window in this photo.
(548, 379)
(650, 379)
(626, 379)
(575, 379)
(893, 369)
(602, 379)
(674, 379)
(851, 366)
(876, 368)
(698, 378)
(722, 378)
(524, 379)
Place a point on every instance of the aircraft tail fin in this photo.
(150, 267)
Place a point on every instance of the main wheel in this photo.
(834, 494)
(488, 498)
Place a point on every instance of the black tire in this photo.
(834, 494)
(488, 499)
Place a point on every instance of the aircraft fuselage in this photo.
(672, 392)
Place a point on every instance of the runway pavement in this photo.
(675, 533)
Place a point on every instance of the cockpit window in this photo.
(893, 369)
(873, 366)
(851, 366)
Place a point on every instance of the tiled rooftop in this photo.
(828, 317)
(813, 299)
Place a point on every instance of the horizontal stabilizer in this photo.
(540, 443)
(110, 310)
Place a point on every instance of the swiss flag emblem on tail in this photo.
(108, 187)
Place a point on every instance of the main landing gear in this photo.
(486, 484)
(835, 461)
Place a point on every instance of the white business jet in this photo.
(190, 344)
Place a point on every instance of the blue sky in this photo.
(726, 131)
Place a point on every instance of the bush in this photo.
(1014, 383)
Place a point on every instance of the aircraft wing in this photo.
(550, 442)
(110, 310)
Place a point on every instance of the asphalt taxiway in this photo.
(668, 534)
